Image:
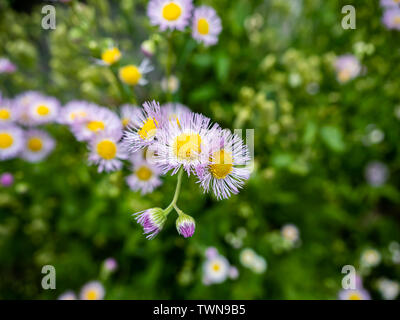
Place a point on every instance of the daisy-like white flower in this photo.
(225, 173)
(99, 120)
(206, 25)
(142, 131)
(347, 67)
(6, 66)
(290, 233)
(259, 265)
(152, 220)
(22, 104)
(7, 111)
(11, 141)
(67, 295)
(93, 290)
(370, 258)
(170, 84)
(145, 176)
(185, 144)
(128, 114)
(107, 152)
(391, 18)
(44, 110)
(169, 14)
(376, 173)
(389, 289)
(110, 264)
(248, 257)
(356, 294)
(174, 110)
(133, 75)
(75, 112)
(110, 56)
(216, 269)
(185, 225)
(38, 145)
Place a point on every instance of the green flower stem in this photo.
(169, 66)
(176, 195)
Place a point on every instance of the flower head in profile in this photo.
(38, 145)
(128, 114)
(391, 18)
(170, 14)
(206, 25)
(134, 75)
(226, 172)
(93, 290)
(145, 176)
(44, 110)
(99, 120)
(152, 220)
(185, 225)
(75, 112)
(110, 56)
(11, 141)
(107, 152)
(142, 131)
(347, 67)
(6, 66)
(67, 295)
(354, 294)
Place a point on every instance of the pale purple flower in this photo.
(43, 110)
(347, 67)
(206, 25)
(211, 252)
(22, 103)
(391, 18)
(75, 112)
(185, 225)
(11, 141)
(356, 294)
(7, 111)
(233, 273)
(6, 66)
(6, 179)
(225, 173)
(170, 14)
(174, 110)
(145, 176)
(390, 3)
(376, 173)
(67, 295)
(110, 264)
(152, 220)
(107, 152)
(215, 270)
(128, 114)
(38, 145)
(93, 290)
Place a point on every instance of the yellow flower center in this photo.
(110, 56)
(344, 75)
(216, 267)
(354, 296)
(222, 164)
(187, 146)
(125, 121)
(95, 126)
(203, 26)
(43, 110)
(148, 129)
(5, 114)
(397, 20)
(6, 140)
(35, 144)
(76, 114)
(144, 173)
(171, 11)
(91, 295)
(130, 75)
(107, 149)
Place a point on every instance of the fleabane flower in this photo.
(99, 120)
(356, 294)
(174, 110)
(215, 270)
(391, 18)
(152, 220)
(67, 295)
(110, 56)
(170, 14)
(7, 111)
(93, 290)
(145, 177)
(11, 141)
(128, 114)
(141, 133)
(290, 233)
(38, 145)
(75, 112)
(22, 103)
(44, 110)
(6, 66)
(107, 152)
(347, 67)
(225, 173)
(370, 258)
(206, 25)
(390, 3)
(134, 75)
(185, 225)
(184, 143)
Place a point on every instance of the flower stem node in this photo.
(152, 220)
(185, 225)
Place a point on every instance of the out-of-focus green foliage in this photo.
(272, 71)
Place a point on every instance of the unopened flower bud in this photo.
(152, 220)
(185, 225)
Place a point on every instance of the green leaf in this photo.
(333, 138)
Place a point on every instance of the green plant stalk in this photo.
(169, 66)
(176, 195)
